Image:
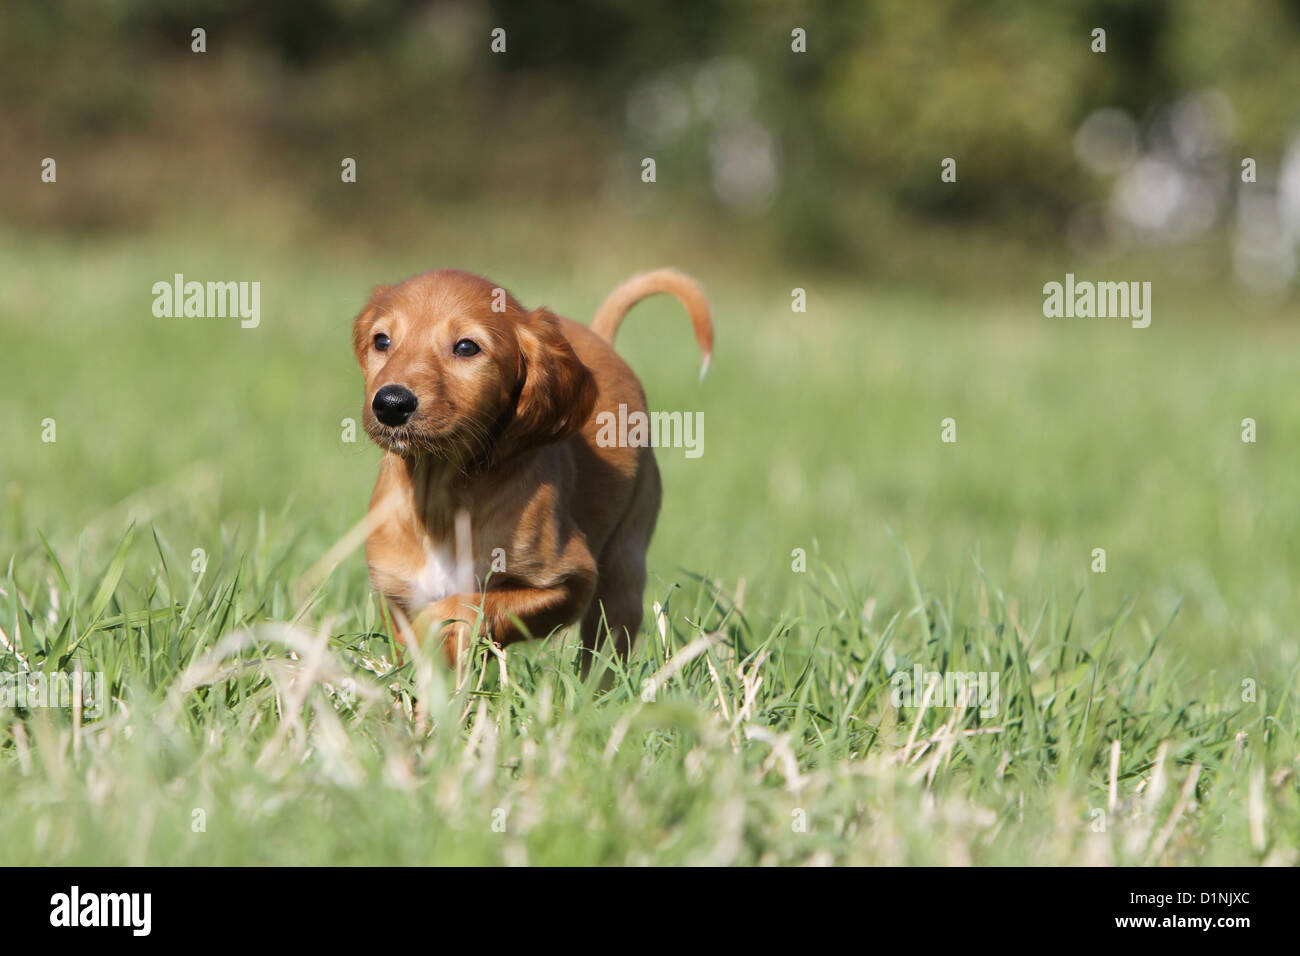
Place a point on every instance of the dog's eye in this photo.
(382, 342)
(466, 347)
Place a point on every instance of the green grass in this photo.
(281, 712)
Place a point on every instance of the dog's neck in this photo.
(438, 488)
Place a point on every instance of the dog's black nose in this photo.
(394, 404)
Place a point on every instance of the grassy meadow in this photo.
(260, 713)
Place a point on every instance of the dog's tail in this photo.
(685, 289)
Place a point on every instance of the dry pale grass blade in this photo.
(476, 731)
(674, 664)
(1159, 779)
(503, 668)
(480, 753)
(1238, 748)
(1150, 790)
(751, 681)
(1003, 763)
(423, 671)
(782, 753)
(309, 582)
(22, 747)
(717, 686)
(12, 648)
(1180, 806)
(1112, 791)
(315, 666)
(683, 657)
(294, 685)
(1257, 811)
(943, 740)
(661, 624)
(916, 724)
(76, 712)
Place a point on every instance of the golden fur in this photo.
(507, 437)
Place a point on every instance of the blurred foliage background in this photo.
(827, 160)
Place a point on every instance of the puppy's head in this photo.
(456, 368)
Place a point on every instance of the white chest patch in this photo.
(439, 578)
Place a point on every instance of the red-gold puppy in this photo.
(493, 491)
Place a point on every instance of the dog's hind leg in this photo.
(621, 572)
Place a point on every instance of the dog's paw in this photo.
(447, 623)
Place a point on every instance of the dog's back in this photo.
(618, 490)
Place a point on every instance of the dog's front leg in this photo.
(540, 610)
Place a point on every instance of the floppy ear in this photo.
(558, 392)
(362, 323)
